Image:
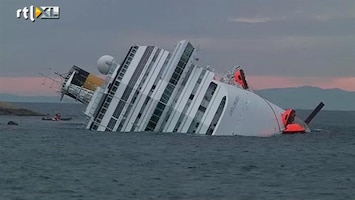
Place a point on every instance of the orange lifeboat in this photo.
(239, 78)
(293, 128)
(287, 118)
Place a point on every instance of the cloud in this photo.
(321, 17)
(292, 18)
(252, 20)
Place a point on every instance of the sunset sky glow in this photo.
(33, 86)
(279, 43)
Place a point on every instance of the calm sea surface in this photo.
(61, 160)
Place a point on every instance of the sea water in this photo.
(61, 160)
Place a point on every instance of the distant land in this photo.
(11, 109)
(39, 99)
(308, 98)
(298, 98)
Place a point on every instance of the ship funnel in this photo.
(80, 84)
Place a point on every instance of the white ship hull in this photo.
(248, 114)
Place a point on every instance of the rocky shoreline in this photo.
(11, 109)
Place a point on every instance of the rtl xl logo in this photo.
(40, 12)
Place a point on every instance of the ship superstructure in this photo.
(153, 89)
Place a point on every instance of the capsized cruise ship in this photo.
(153, 89)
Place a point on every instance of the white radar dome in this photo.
(104, 63)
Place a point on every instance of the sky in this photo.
(279, 43)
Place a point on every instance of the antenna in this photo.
(53, 81)
(227, 77)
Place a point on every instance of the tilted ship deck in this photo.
(155, 90)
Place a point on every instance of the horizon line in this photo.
(40, 86)
(271, 88)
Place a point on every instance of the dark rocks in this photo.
(10, 109)
(12, 123)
